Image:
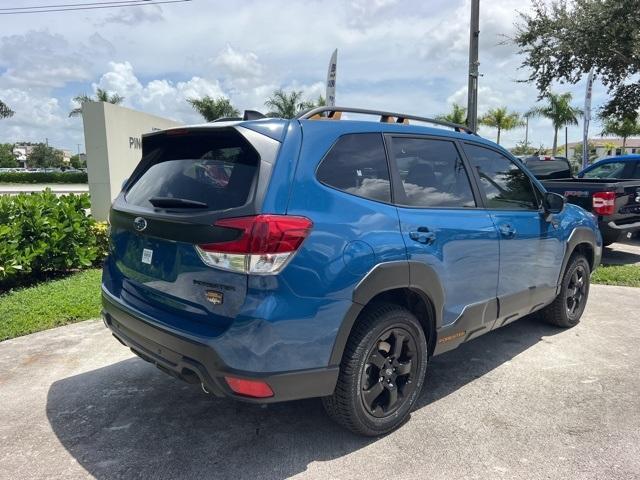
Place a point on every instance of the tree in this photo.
(287, 104)
(563, 40)
(458, 114)
(5, 111)
(101, 96)
(577, 153)
(624, 128)
(523, 148)
(7, 158)
(213, 108)
(76, 161)
(560, 111)
(501, 119)
(44, 156)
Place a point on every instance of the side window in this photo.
(505, 185)
(606, 170)
(357, 164)
(432, 173)
(636, 172)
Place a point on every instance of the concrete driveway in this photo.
(526, 401)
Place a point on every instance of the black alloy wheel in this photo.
(388, 377)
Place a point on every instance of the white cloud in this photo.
(400, 56)
(236, 64)
(136, 16)
(160, 97)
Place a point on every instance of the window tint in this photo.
(214, 168)
(505, 185)
(548, 169)
(432, 173)
(636, 172)
(357, 164)
(607, 170)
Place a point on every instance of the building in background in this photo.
(606, 147)
(22, 151)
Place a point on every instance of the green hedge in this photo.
(43, 177)
(41, 234)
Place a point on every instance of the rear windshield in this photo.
(214, 168)
(546, 169)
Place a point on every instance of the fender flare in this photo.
(578, 236)
(417, 276)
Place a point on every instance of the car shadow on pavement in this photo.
(129, 420)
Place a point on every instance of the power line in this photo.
(72, 5)
(146, 2)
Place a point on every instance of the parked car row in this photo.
(609, 188)
(42, 170)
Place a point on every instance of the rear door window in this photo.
(432, 173)
(357, 164)
(210, 169)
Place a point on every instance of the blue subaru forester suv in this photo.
(272, 260)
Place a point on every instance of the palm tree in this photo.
(458, 114)
(287, 105)
(213, 108)
(101, 96)
(5, 111)
(624, 129)
(501, 119)
(560, 111)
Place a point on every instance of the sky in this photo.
(406, 56)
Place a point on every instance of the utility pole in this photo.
(566, 141)
(526, 131)
(474, 33)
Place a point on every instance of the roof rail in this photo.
(335, 113)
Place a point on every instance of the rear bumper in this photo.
(197, 362)
(620, 228)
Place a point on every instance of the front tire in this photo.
(381, 373)
(567, 308)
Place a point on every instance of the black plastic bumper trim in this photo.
(196, 362)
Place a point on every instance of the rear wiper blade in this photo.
(170, 202)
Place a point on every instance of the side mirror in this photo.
(553, 202)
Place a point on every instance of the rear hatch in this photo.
(187, 181)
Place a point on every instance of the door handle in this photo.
(422, 235)
(507, 231)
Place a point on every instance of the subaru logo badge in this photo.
(139, 224)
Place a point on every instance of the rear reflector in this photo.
(249, 388)
(265, 244)
(604, 203)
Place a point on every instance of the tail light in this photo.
(604, 203)
(265, 245)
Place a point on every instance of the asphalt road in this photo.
(526, 401)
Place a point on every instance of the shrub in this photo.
(101, 232)
(43, 177)
(41, 233)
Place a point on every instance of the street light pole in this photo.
(474, 33)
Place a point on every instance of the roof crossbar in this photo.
(334, 113)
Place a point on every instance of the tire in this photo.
(372, 370)
(567, 308)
